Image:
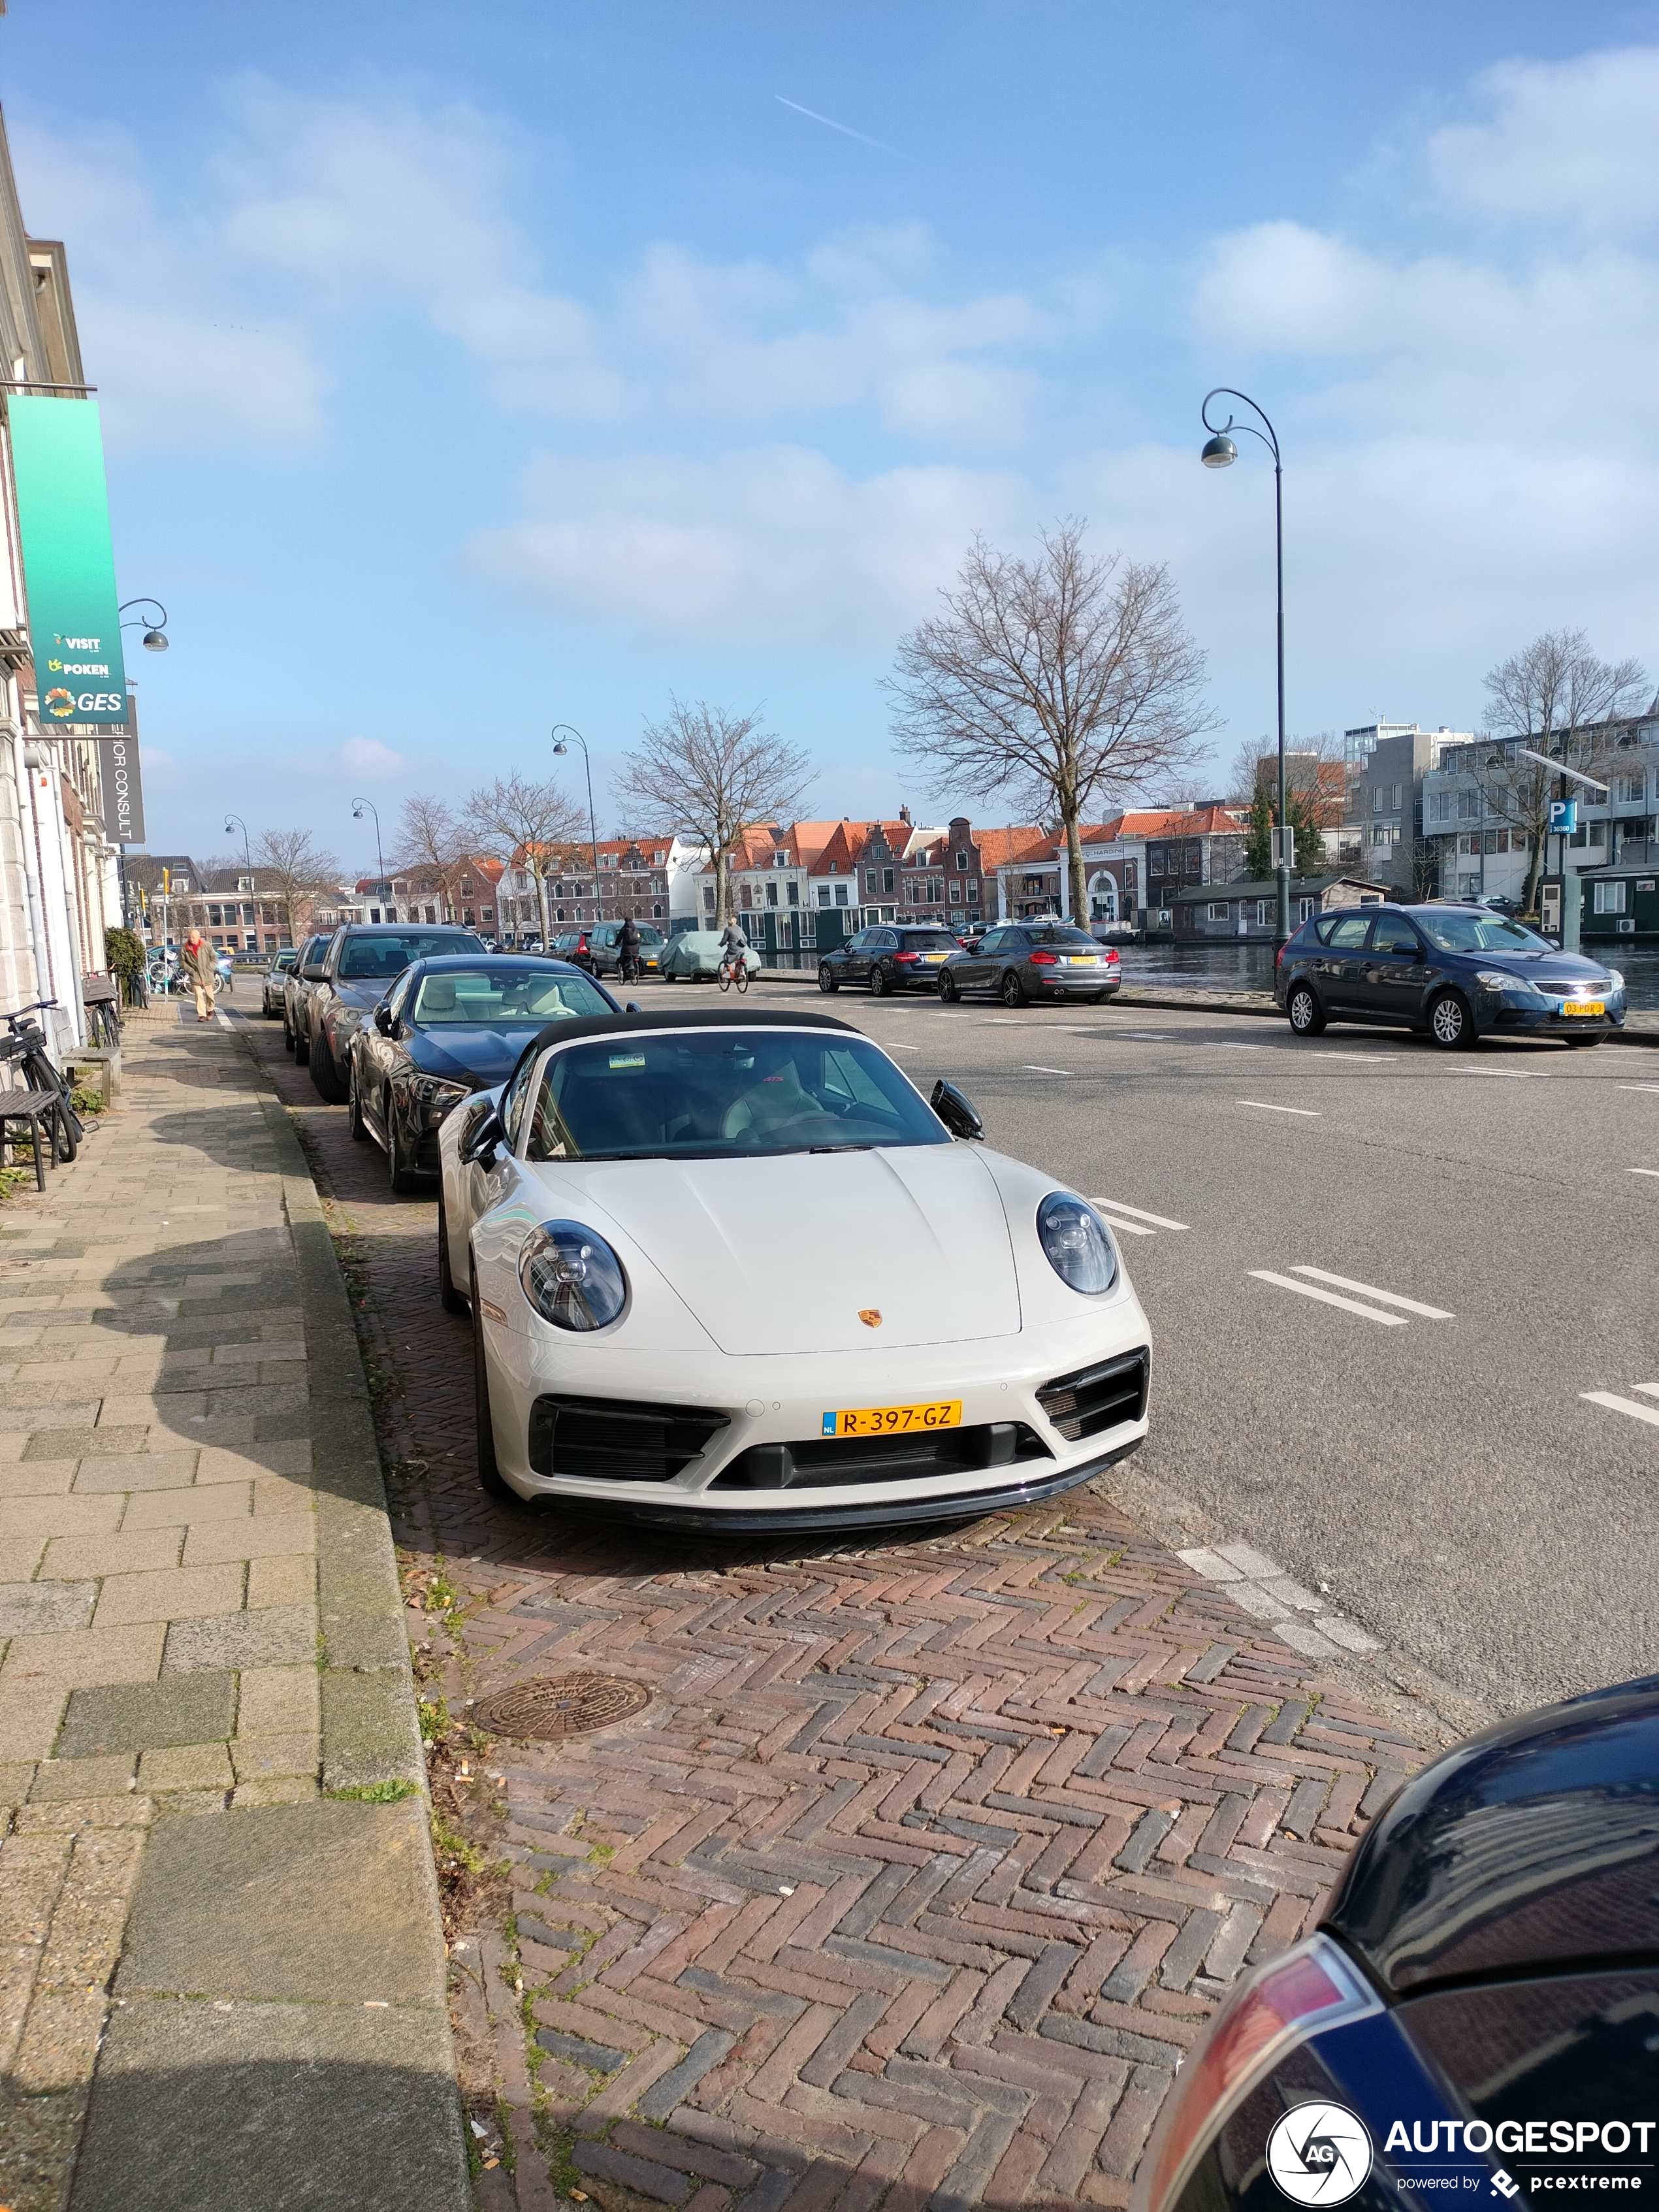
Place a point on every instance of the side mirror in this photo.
(383, 1020)
(314, 974)
(954, 1110)
(633, 1007)
(483, 1139)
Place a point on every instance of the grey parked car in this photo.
(275, 981)
(350, 979)
(296, 990)
(1019, 961)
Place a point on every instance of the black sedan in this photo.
(888, 957)
(1478, 2011)
(1459, 972)
(447, 1027)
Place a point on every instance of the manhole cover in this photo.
(568, 1704)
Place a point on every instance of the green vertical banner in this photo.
(69, 567)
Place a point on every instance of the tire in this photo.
(948, 992)
(741, 979)
(325, 1076)
(451, 1299)
(829, 983)
(1304, 1011)
(266, 1012)
(490, 1478)
(354, 1120)
(287, 1038)
(1096, 998)
(403, 1180)
(1450, 1026)
(879, 984)
(723, 976)
(1583, 1044)
(1011, 990)
(301, 1047)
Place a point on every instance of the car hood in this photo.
(1530, 1847)
(365, 991)
(1550, 971)
(477, 1053)
(784, 1254)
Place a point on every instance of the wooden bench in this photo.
(32, 1107)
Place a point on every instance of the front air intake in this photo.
(1097, 1398)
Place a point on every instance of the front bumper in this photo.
(752, 1402)
(1516, 1016)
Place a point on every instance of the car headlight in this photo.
(1493, 979)
(1076, 1241)
(433, 1093)
(571, 1277)
(1615, 980)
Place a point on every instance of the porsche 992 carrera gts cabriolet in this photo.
(715, 1266)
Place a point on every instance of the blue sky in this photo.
(467, 370)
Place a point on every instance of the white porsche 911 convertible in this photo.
(732, 1270)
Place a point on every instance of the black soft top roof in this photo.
(601, 1025)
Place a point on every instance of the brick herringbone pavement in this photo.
(926, 1862)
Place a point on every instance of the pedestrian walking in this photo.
(200, 964)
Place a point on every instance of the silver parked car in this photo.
(1019, 961)
(275, 982)
(696, 953)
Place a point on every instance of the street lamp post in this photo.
(155, 638)
(359, 808)
(235, 822)
(560, 746)
(1220, 452)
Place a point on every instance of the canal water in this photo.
(1250, 967)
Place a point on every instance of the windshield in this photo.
(717, 1094)
(502, 995)
(1478, 932)
(1060, 932)
(365, 957)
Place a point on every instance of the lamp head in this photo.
(156, 641)
(1220, 452)
(560, 746)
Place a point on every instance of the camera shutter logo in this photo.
(1319, 2153)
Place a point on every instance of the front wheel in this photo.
(1306, 1015)
(1012, 991)
(740, 976)
(326, 1075)
(1450, 1026)
(1583, 1044)
(490, 1477)
(829, 983)
(449, 1297)
(947, 988)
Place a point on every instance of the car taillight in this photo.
(1111, 952)
(1042, 960)
(906, 959)
(1307, 1990)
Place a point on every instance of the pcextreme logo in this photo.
(1319, 2153)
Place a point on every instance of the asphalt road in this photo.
(1446, 1478)
(1441, 1474)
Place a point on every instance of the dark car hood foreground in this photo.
(479, 1056)
(1535, 1845)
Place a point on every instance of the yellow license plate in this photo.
(1584, 1006)
(893, 1420)
(1082, 959)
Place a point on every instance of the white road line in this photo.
(1306, 1113)
(1504, 1074)
(1139, 1212)
(1326, 1052)
(1639, 1086)
(1617, 1404)
(1646, 1171)
(902, 1048)
(1371, 1290)
(1232, 1044)
(1127, 1228)
(1329, 1298)
(1647, 1390)
(1032, 1068)
(1006, 1022)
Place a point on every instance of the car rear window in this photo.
(927, 940)
(1060, 932)
(364, 959)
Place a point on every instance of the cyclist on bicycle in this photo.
(734, 945)
(628, 951)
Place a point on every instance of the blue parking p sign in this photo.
(1564, 816)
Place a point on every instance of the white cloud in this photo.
(774, 543)
(1572, 141)
(368, 760)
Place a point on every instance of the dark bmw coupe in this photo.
(446, 1027)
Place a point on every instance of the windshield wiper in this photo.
(841, 1148)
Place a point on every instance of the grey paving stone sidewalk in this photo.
(221, 1969)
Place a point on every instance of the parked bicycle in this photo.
(32, 1055)
(103, 1018)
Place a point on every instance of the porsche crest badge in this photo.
(871, 1316)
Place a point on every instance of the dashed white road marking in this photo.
(1505, 1074)
(1233, 1044)
(1326, 1052)
(1127, 1228)
(902, 1048)
(1329, 1297)
(1306, 1113)
(1160, 1220)
(1371, 1290)
(1646, 1171)
(1647, 1390)
(1033, 1068)
(1614, 1404)
(1639, 1086)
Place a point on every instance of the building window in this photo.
(1440, 806)
(1263, 917)
(1305, 907)
(708, 897)
(870, 880)
(771, 894)
(961, 862)
(794, 890)
(841, 894)
(1219, 910)
(1376, 798)
(1468, 805)
(1609, 898)
(1630, 789)
(955, 894)
(824, 894)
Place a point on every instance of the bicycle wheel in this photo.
(740, 976)
(66, 1131)
(723, 975)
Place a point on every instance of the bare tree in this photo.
(714, 776)
(1555, 692)
(1066, 682)
(299, 868)
(430, 841)
(528, 825)
(1257, 759)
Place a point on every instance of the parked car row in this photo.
(1016, 961)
